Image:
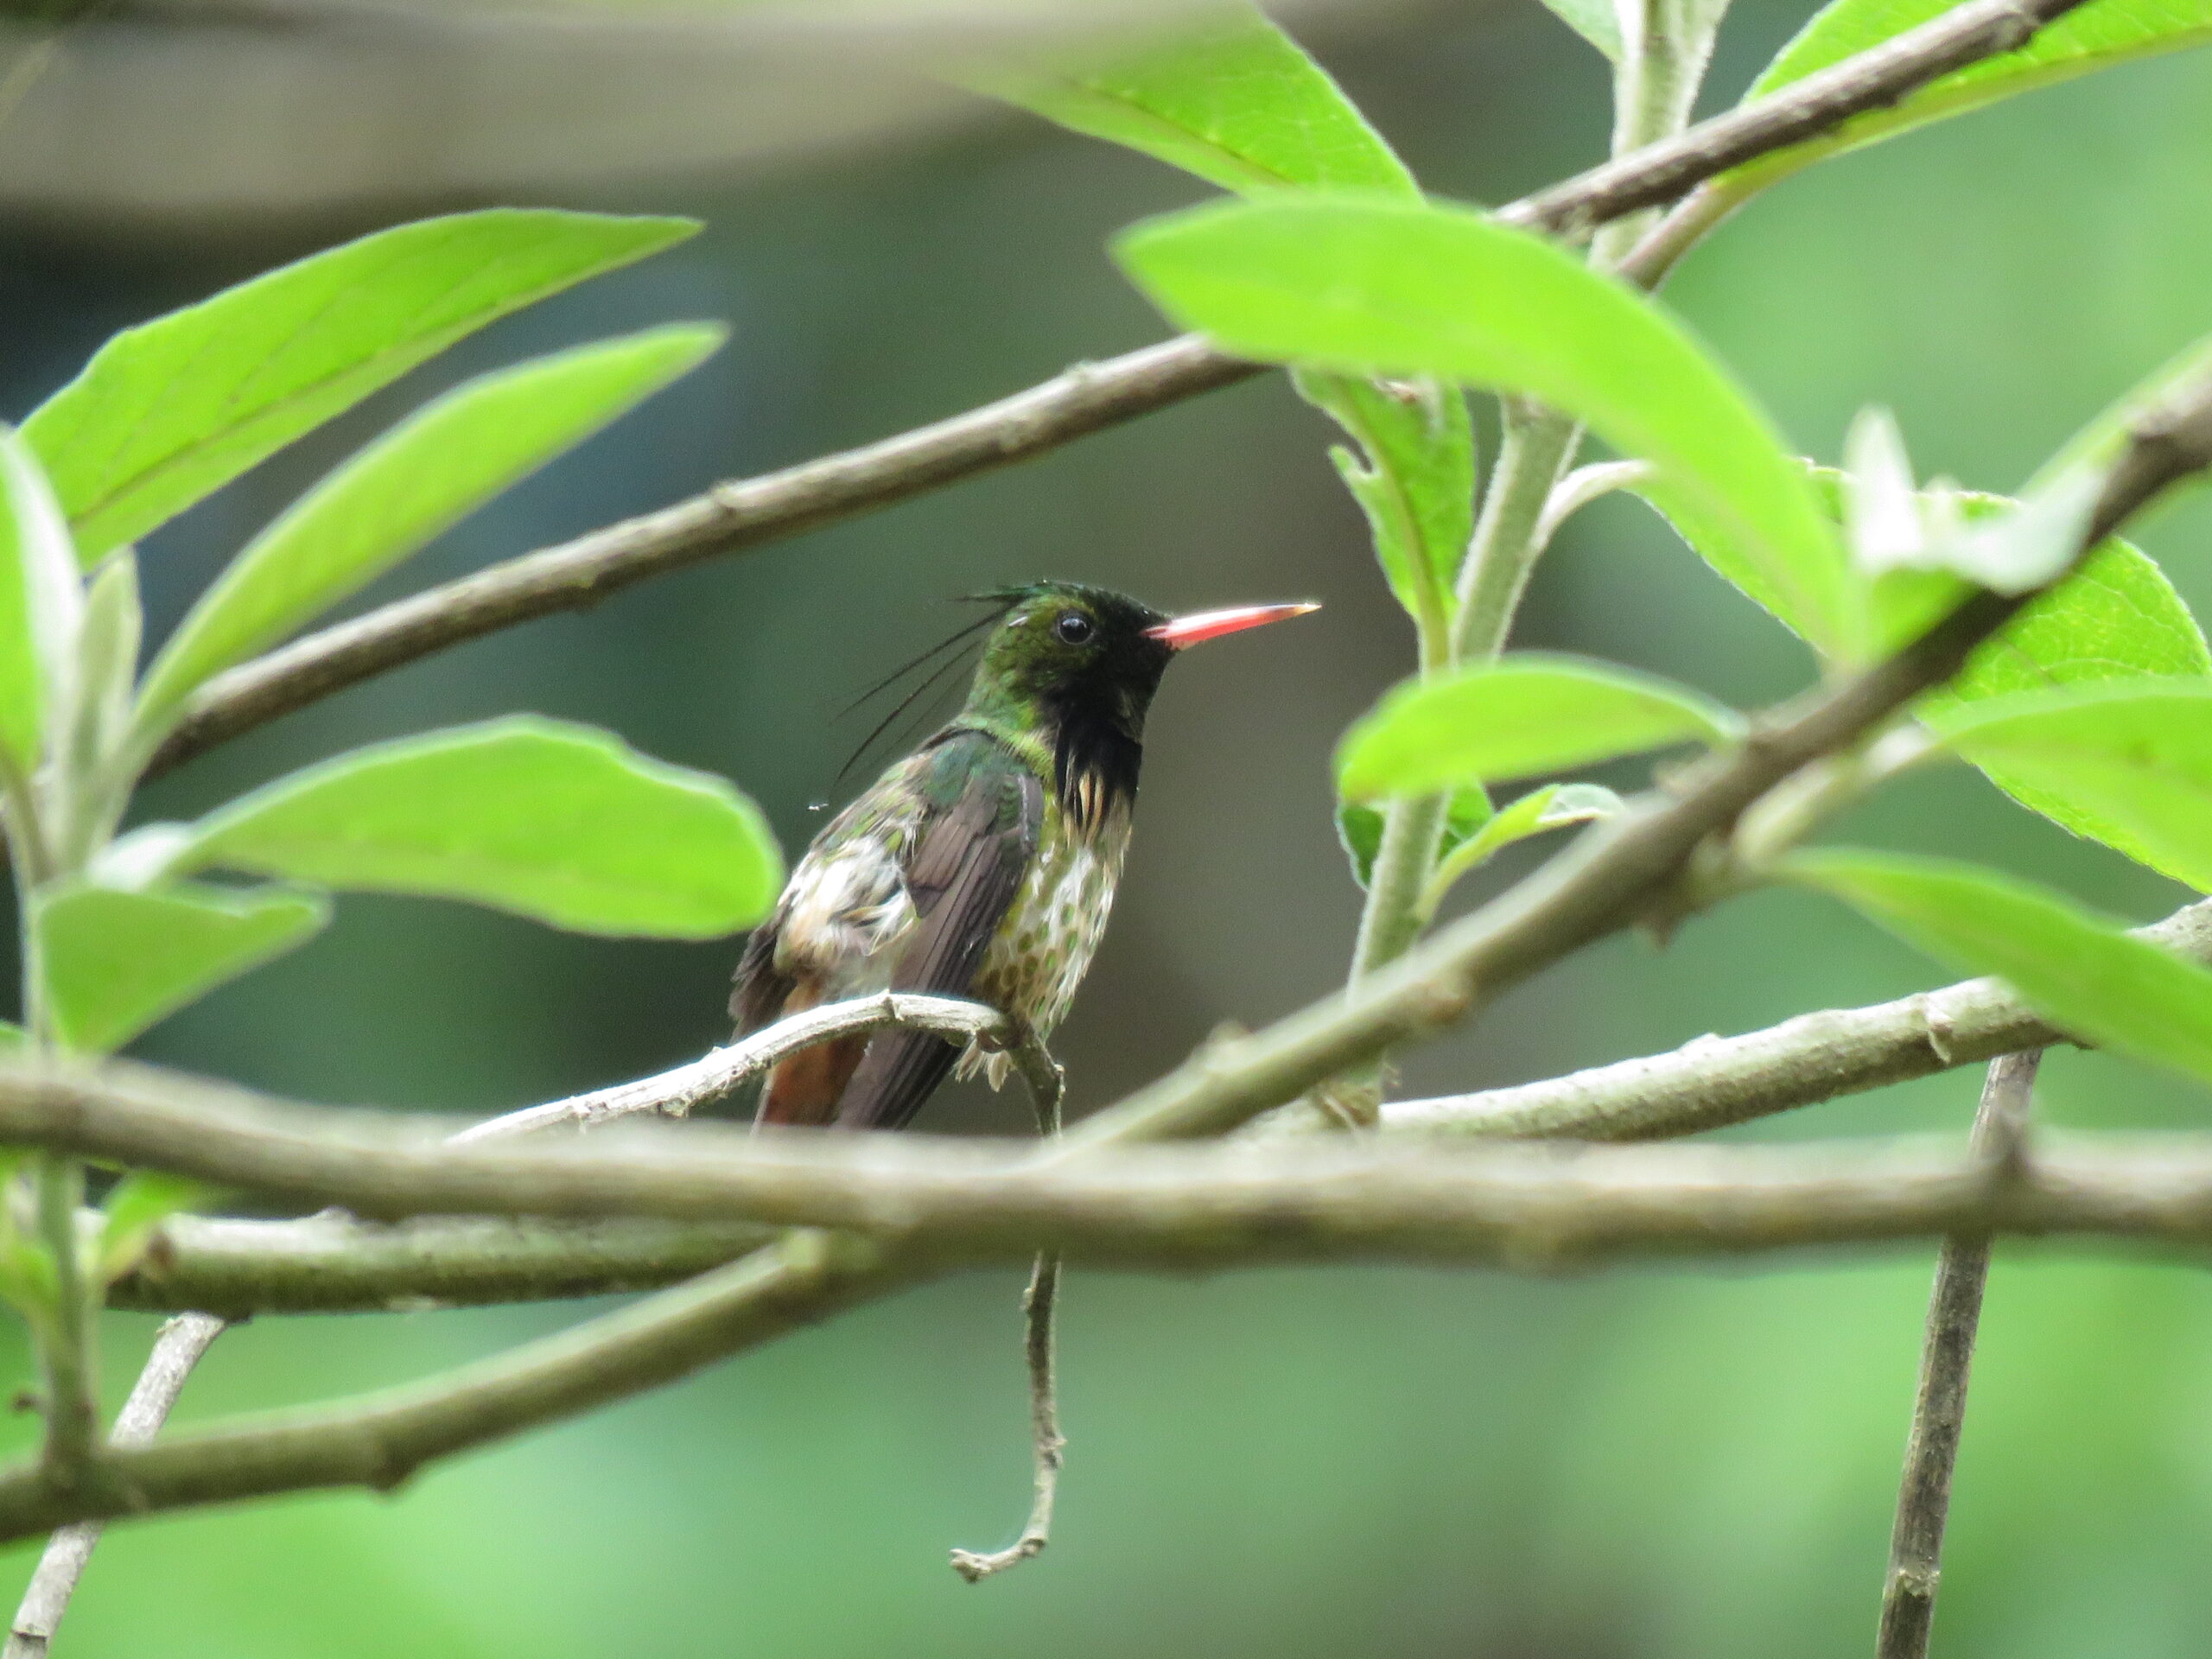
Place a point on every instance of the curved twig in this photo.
(723, 1071)
(1712, 1082)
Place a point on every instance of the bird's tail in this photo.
(806, 1088)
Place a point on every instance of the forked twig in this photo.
(177, 1348)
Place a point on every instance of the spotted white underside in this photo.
(847, 915)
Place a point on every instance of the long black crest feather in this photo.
(957, 658)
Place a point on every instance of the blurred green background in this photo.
(1669, 1462)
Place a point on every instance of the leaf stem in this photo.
(1536, 443)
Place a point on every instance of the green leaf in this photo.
(2095, 37)
(393, 498)
(1238, 103)
(2078, 971)
(167, 412)
(138, 1203)
(1555, 806)
(42, 605)
(14, 1039)
(1595, 21)
(1369, 286)
(2117, 617)
(1359, 828)
(1523, 715)
(1235, 101)
(1413, 478)
(561, 823)
(2128, 764)
(115, 963)
(107, 666)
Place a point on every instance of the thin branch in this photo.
(724, 1071)
(379, 1441)
(1939, 1411)
(962, 1201)
(67, 1330)
(1712, 1082)
(1048, 1446)
(178, 1347)
(931, 1207)
(1224, 1206)
(335, 1263)
(730, 518)
(1087, 398)
(1040, 1304)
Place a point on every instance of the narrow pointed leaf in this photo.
(2078, 971)
(2127, 763)
(42, 604)
(563, 824)
(1520, 716)
(1414, 477)
(1370, 287)
(138, 1203)
(1359, 828)
(106, 667)
(2095, 37)
(168, 412)
(1555, 806)
(402, 491)
(1234, 100)
(1595, 21)
(115, 963)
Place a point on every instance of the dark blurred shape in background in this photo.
(1660, 1463)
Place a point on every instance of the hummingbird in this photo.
(983, 865)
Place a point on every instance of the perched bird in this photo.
(980, 865)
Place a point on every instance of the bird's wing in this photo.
(758, 999)
(845, 906)
(971, 856)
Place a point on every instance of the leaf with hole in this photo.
(561, 823)
(2080, 971)
(394, 497)
(172, 410)
(1378, 288)
(115, 963)
(1517, 717)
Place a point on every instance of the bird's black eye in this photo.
(1074, 627)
